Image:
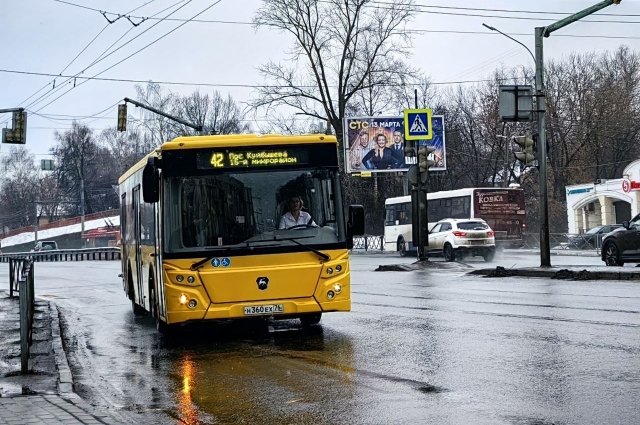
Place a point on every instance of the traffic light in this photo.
(527, 154)
(424, 162)
(18, 134)
(122, 117)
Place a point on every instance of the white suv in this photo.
(456, 238)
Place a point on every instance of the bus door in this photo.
(158, 241)
(138, 251)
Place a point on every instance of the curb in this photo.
(65, 378)
(566, 273)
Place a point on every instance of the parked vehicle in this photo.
(623, 244)
(457, 238)
(45, 246)
(592, 239)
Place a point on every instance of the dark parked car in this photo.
(622, 245)
(592, 239)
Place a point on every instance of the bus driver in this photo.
(295, 216)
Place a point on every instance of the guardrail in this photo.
(21, 281)
(85, 254)
(368, 242)
(582, 242)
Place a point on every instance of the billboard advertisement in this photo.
(376, 144)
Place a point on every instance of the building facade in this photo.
(605, 201)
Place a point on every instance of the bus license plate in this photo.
(263, 309)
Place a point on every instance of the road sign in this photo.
(417, 124)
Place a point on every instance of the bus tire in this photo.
(448, 252)
(161, 326)
(137, 310)
(402, 247)
(310, 319)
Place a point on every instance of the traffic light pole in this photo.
(421, 199)
(197, 128)
(540, 32)
(545, 251)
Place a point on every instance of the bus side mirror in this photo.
(355, 225)
(151, 182)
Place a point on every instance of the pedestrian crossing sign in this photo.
(417, 124)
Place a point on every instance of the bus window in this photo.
(231, 209)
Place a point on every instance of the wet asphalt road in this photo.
(431, 346)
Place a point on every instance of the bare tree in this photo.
(593, 121)
(19, 188)
(216, 115)
(341, 48)
(78, 166)
(125, 148)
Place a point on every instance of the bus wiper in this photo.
(320, 254)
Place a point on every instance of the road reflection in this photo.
(271, 372)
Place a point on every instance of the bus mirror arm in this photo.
(151, 181)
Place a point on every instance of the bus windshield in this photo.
(241, 210)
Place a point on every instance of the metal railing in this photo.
(21, 281)
(557, 241)
(368, 242)
(85, 254)
(581, 242)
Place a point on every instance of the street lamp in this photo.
(540, 32)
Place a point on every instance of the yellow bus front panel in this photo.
(275, 284)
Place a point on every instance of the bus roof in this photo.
(449, 194)
(230, 140)
(236, 140)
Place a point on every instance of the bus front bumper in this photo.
(276, 308)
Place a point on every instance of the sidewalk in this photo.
(45, 395)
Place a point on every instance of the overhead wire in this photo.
(420, 8)
(80, 53)
(105, 54)
(137, 51)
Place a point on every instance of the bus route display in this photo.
(221, 159)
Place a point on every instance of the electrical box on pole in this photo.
(515, 103)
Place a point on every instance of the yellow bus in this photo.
(203, 235)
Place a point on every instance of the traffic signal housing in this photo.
(17, 134)
(527, 153)
(122, 117)
(424, 162)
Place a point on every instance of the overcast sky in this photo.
(53, 37)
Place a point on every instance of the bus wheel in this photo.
(137, 310)
(310, 319)
(402, 248)
(163, 327)
(449, 253)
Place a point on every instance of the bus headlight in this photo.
(179, 278)
(191, 279)
(337, 288)
(183, 299)
(192, 303)
(330, 295)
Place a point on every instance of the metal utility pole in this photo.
(421, 199)
(540, 32)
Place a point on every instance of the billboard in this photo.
(376, 144)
